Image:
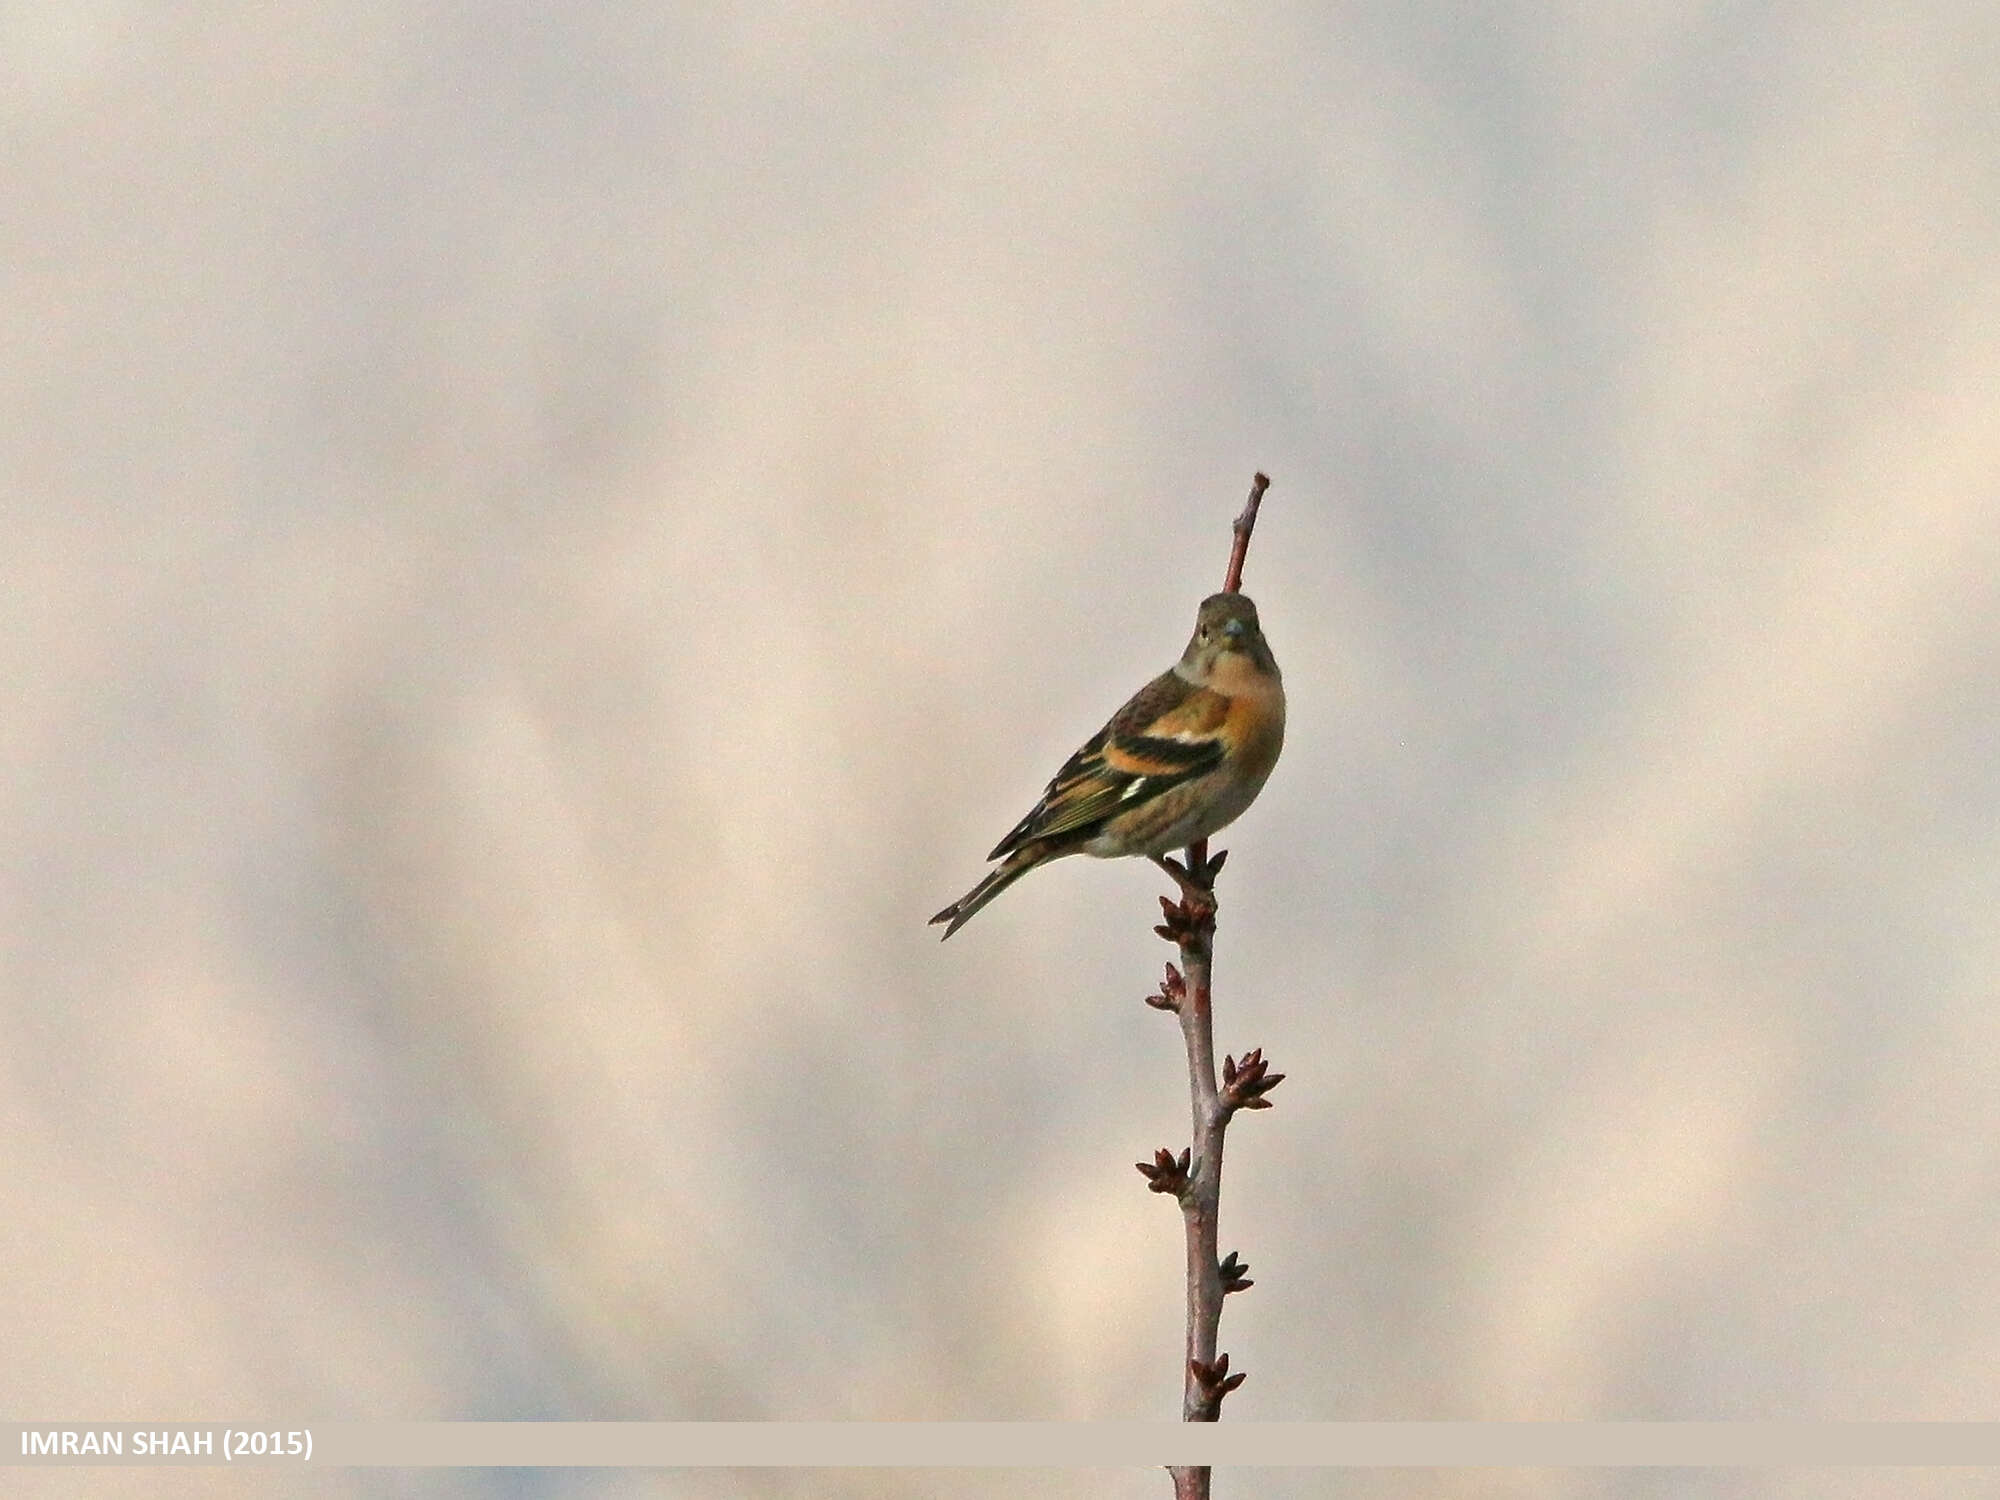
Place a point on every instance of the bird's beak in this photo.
(1236, 629)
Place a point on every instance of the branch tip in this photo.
(1232, 579)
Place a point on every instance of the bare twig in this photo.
(1194, 1176)
(1232, 579)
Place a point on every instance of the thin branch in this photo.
(1194, 1176)
(1191, 926)
(1232, 579)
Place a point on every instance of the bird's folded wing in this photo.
(1165, 736)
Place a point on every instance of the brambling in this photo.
(1178, 762)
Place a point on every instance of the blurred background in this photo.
(543, 543)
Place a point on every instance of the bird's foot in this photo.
(1194, 914)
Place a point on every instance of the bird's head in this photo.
(1226, 640)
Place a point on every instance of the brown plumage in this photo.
(1181, 760)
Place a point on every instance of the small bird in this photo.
(1181, 760)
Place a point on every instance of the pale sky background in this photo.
(543, 542)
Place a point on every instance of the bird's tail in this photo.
(997, 880)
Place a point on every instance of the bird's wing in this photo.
(1166, 734)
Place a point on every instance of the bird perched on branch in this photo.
(1178, 762)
